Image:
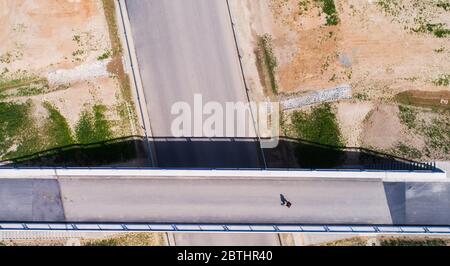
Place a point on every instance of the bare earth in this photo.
(67, 44)
(374, 50)
(42, 34)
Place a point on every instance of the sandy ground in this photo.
(381, 129)
(81, 239)
(365, 49)
(351, 116)
(249, 18)
(59, 40)
(374, 51)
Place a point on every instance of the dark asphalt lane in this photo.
(186, 48)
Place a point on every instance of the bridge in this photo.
(118, 199)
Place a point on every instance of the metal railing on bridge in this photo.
(227, 228)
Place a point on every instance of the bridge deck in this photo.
(83, 195)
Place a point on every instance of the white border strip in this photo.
(386, 176)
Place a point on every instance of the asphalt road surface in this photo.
(30, 200)
(186, 48)
(224, 201)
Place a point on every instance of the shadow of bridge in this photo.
(217, 153)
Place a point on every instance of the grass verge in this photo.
(116, 67)
(411, 242)
(13, 120)
(329, 8)
(131, 239)
(438, 134)
(443, 80)
(391, 241)
(93, 126)
(433, 126)
(406, 151)
(319, 126)
(408, 116)
(438, 29)
(57, 129)
(20, 82)
(110, 14)
(267, 63)
(21, 134)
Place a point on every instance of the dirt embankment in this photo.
(394, 54)
(59, 57)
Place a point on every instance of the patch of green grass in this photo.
(389, 6)
(329, 8)
(438, 29)
(85, 128)
(19, 134)
(390, 241)
(35, 89)
(319, 126)
(408, 116)
(444, 4)
(362, 96)
(38, 87)
(432, 125)
(104, 56)
(4, 71)
(440, 50)
(116, 65)
(57, 129)
(269, 60)
(78, 53)
(443, 80)
(411, 242)
(22, 87)
(30, 141)
(110, 14)
(420, 17)
(18, 82)
(13, 119)
(407, 151)
(128, 118)
(6, 58)
(111, 242)
(303, 5)
(136, 239)
(77, 39)
(93, 126)
(354, 241)
(438, 134)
